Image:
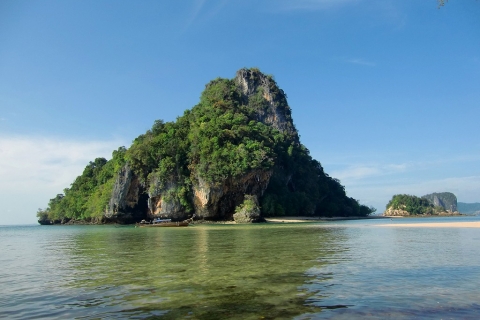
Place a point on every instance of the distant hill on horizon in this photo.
(468, 208)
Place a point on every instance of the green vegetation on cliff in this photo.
(240, 128)
(88, 195)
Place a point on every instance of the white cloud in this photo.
(467, 188)
(358, 172)
(355, 172)
(33, 170)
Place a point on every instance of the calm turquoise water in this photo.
(335, 270)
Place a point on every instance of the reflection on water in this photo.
(302, 271)
(203, 272)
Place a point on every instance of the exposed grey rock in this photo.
(126, 203)
(218, 202)
(446, 200)
(162, 204)
(275, 112)
(395, 212)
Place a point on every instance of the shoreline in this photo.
(287, 219)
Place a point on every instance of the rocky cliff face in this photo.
(446, 200)
(211, 202)
(396, 212)
(160, 204)
(128, 201)
(400, 212)
(276, 111)
(219, 202)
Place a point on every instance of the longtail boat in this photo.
(165, 223)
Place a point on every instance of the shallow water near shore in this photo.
(332, 270)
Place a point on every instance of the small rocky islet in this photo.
(434, 204)
(235, 156)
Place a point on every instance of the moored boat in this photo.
(165, 223)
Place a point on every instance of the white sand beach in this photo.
(471, 224)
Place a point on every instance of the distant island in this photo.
(469, 208)
(434, 204)
(236, 155)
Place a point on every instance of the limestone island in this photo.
(435, 204)
(235, 156)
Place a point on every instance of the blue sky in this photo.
(385, 94)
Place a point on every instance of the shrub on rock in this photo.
(248, 211)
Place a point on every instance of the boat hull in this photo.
(165, 224)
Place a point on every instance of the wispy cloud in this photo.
(312, 5)
(27, 162)
(375, 183)
(203, 11)
(33, 170)
(358, 172)
(196, 9)
(361, 62)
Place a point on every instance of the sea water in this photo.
(332, 270)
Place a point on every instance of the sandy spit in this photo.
(317, 219)
(474, 224)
